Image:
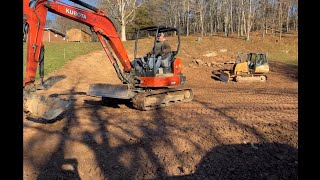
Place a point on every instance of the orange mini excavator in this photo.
(145, 84)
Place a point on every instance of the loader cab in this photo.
(257, 62)
(144, 50)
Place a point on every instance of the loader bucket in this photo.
(224, 76)
(44, 107)
(119, 91)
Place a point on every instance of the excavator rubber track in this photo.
(155, 99)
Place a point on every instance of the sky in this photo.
(52, 16)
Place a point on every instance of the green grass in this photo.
(284, 58)
(284, 52)
(58, 53)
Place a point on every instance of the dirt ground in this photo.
(229, 130)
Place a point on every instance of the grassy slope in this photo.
(285, 51)
(58, 53)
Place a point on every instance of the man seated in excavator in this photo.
(162, 53)
(147, 88)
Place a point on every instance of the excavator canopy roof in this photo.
(161, 28)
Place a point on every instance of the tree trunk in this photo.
(288, 18)
(273, 19)
(201, 21)
(175, 20)
(264, 26)
(216, 22)
(211, 19)
(226, 18)
(296, 23)
(242, 32)
(244, 26)
(280, 19)
(194, 28)
(123, 32)
(231, 21)
(239, 22)
(183, 15)
(188, 18)
(249, 21)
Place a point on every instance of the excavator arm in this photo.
(34, 20)
(35, 13)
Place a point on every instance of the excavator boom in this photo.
(35, 19)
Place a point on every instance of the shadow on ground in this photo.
(51, 81)
(288, 70)
(248, 161)
(138, 157)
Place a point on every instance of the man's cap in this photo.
(160, 34)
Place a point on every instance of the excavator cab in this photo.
(257, 63)
(149, 64)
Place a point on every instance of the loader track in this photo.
(251, 78)
(161, 98)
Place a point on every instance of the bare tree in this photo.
(123, 11)
(280, 18)
(264, 26)
(289, 9)
(231, 16)
(249, 21)
(202, 16)
(211, 15)
(243, 19)
(226, 17)
(188, 17)
(200, 11)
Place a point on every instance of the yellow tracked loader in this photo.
(249, 67)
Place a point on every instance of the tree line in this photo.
(200, 17)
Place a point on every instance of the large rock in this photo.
(211, 54)
(199, 62)
(223, 50)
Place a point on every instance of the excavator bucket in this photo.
(44, 107)
(119, 91)
(224, 76)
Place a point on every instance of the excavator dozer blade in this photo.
(119, 91)
(224, 76)
(44, 107)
